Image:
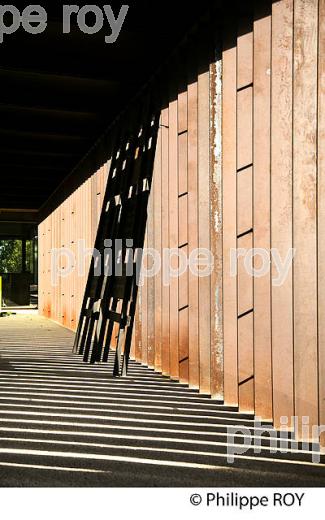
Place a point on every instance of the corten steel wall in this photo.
(273, 197)
(176, 324)
(257, 345)
(75, 220)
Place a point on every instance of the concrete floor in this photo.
(64, 423)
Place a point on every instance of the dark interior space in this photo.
(60, 91)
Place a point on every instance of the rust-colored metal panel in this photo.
(132, 350)
(262, 217)
(182, 163)
(138, 329)
(40, 268)
(281, 206)
(183, 285)
(246, 363)
(245, 279)
(183, 296)
(182, 103)
(304, 208)
(246, 354)
(173, 231)
(151, 284)
(217, 385)
(244, 212)
(183, 345)
(321, 215)
(74, 314)
(245, 127)
(165, 355)
(244, 52)
(182, 139)
(144, 313)
(193, 294)
(229, 173)
(245, 200)
(183, 221)
(157, 193)
(66, 289)
(246, 396)
(204, 226)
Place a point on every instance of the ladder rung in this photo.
(88, 313)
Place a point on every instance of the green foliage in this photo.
(29, 256)
(10, 256)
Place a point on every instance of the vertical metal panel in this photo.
(40, 268)
(305, 216)
(157, 193)
(165, 355)
(138, 328)
(245, 302)
(245, 280)
(217, 384)
(173, 230)
(193, 295)
(183, 345)
(321, 215)
(281, 206)
(73, 226)
(151, 284)
(144, 312)
(183, 354)
(183, 227)
(245, 127)
(246, 363)
(244, 52)
(204, 226)
(132, 350)
(244, 200)
(262, 217)
(229, 140)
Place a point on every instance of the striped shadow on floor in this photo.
(65, 423)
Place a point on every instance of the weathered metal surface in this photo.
(246, 362)
(256, 343)
(183, 338)
(173, 228)
(262, 212)
(305, 210)
(217, 384)
(157, 192)
(229, 209)
(193, 290)
(281, 206)
(321, 215)
(204, 227)
(165, 355)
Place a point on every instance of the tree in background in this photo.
(10, 256)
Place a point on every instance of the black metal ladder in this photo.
(110, 297)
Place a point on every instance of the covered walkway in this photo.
(64, 423)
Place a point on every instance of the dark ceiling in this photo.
(60, 91)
